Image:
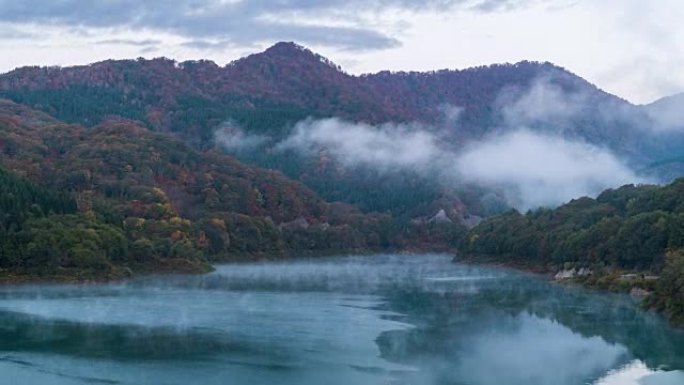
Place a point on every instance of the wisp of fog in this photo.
(540, 170)
(384, 147)
(535, 167)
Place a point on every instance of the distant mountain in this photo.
(666, 117)
(668, 112)
(286, 83)
(268, 92)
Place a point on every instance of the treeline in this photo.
(623, 237)
(40, 231)
(267, 93)
(21, 200)
(43, 235)
(117, 198)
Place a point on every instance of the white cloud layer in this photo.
(385, 147)
(538, 170)
(532, 169)
(546, 166)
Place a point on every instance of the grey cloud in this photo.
(137, 43)
(149, 49)
(497, 5)
(14, 33)
(532, 169)
(241, 22)
(206, 44)
(652, 75)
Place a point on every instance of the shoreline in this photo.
(601, 282)
(173, 267)
(181, 266)
(585, 281)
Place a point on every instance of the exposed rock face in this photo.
(628, 277)
(639, 292)
(471, 220)
(564, 274)
(297, 224)
(440, 217)
(572, 273)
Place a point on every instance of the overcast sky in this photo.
(632, 48)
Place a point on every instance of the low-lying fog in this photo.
(409, 319)
(538, 156)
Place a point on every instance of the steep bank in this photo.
(631, 238)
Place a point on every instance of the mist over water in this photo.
(385, 319)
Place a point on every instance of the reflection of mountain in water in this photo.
(528, 329)
(361, 320)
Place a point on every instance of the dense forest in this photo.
(118, 199)
(628, 237)
(285, 83)
(41, 231)
(113, 168)
(267, 93)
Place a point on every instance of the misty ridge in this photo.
(550, 145)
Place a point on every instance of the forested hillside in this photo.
(263, 92)
(118, 197)
(138, 152)
(266, 94)
(624, 238)
(42, 233)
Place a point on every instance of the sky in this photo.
(631, 48)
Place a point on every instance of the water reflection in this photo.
(357, 320)
(637, 373)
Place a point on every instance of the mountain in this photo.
(191, 98)
(268, 90)
(668, 112)
(267, 93)
(116, 197)
(667, 119)
(113, 168)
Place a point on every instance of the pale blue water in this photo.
(385, 319)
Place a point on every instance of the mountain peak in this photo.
(287, 48)
(293, 53)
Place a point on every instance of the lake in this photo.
(383, 319)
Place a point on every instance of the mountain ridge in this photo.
(266, 94)
(168, 206)
(285, 70)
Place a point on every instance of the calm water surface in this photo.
(384, 319)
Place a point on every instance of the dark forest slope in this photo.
(165, 201)
(625, 238)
